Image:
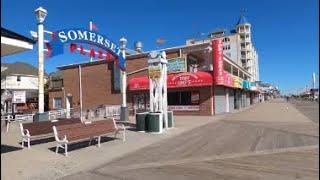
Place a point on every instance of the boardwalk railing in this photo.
(100, 112)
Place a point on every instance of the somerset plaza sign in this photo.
(71, 36)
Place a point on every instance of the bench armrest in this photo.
(121, 126)
(26, 132)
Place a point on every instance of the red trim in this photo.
(178, 80)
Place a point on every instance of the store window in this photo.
(57, 103)
(139, 101)
(183, 98)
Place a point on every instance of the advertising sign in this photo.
(237, 82)
(176, 65)
(185, 108)
(246, 84)
(195, 97)
(154, 71)
(19, 97)
(217, 61)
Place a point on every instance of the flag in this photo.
(82, 50)
(53, 35)
(100, 54)
(92, 26)
(73, 47)
(160, 41)
(92, 53)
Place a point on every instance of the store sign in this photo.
(185, 108)
(154, 71)
(76, 35)
(237, 82)
(19, 97)
(195, 97)
(187, 79)
(228, 80)
(246, 84)
(217, 62)
(176, 65)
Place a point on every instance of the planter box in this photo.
(141, 121)
(154, 122)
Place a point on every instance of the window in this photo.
(235, 71)
(18, 78)
(182, 98)
(57, 103)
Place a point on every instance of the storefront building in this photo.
(198, 83)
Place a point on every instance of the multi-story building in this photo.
(238, 46)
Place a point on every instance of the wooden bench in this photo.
(67, 134)
(36, 129)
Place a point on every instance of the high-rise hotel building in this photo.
(238, 46)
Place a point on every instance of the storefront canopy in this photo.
(12, 43)
(179, 80)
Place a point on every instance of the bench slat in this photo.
(83, 131)
(45, 127)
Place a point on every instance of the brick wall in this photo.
(56, 94)
(97, 82)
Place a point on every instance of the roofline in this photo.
(128, 57)
(16, 36)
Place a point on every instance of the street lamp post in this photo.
(124, 109)
(41, 15)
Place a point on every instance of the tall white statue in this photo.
(158, 83)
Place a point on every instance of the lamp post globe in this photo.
(41, 14)
(123, 43)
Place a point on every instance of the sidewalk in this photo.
(41, 162)
(275, 142)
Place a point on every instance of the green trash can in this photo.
(154, 123)
(170, 119)
(141, 121)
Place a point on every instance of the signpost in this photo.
(78, 35)
(158, 86)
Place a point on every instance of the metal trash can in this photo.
(170, 119)
(141, 121)
(154, 123)
(41, 117)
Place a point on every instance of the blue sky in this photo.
(285, 32)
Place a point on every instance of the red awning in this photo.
(178, 80)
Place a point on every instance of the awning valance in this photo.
(178, 80)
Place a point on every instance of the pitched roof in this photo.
(19, 68)
(242, 20)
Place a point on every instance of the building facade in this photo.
(198, 82)
(19, 79)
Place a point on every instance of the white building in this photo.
(16, 78)
(238, 46)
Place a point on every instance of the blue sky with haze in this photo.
(285, 32)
